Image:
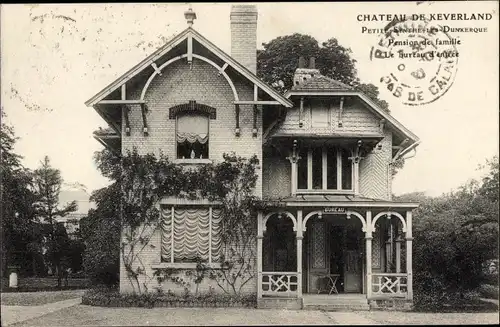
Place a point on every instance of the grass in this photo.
(38, 298)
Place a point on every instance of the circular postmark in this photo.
(419, 61)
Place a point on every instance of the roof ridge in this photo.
(321, 77)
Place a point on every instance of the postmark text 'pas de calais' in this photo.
(422, 60)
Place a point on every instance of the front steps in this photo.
(335, 302)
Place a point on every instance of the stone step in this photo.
(337, 307)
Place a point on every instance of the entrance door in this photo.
(353, 269)
(318, 258)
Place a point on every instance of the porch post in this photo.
(294, 157)
(294, 176)
(368, 238)
(299, 253)
(409, 265)
(260, 235)
(398, 254)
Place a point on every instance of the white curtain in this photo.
(191, 234)
(192, 128)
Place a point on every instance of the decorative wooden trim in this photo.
(210, 62)
(372, 106)
(256, 93)
(192, 107)
(257, 102)
(325, 192)
(157, 70)
(237, 117)
(255, 113)
(169, 46)
(144, 110)
(341, 110)
(99, 139)
(223, 68)
(324, 170)
(190, 50)
(138, 68)
(301, 112)
(286, 213)
(382, 125)
(309, 170)
(126, 110)
(121, 102)
(124, 91)
(339, 168)
(401, 148)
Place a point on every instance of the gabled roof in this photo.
(414, 140)
(321, 83)
(148, 61)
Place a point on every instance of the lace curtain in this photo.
(191, 239)
(192, 128)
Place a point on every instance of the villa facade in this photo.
(326, 152)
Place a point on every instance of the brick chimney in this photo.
(244, 35)
(302, 73)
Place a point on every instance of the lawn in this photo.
(38, 298)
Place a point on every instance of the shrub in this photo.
(489, 291)
(108, 297)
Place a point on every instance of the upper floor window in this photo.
(192, 136)
(192, 129)
(326, 169)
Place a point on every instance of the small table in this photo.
(331, 282)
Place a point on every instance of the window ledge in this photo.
(192, 161)
(183, 265)
(331, 192)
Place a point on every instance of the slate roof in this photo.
(322, 83)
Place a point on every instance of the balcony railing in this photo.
(390, 285)
(280, 284)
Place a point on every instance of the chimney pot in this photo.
(302, 62)
(312, 63)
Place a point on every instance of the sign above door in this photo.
(335, 210)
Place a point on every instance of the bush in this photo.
(108, 297)
(489, 291)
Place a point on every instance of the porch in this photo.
(333, 253)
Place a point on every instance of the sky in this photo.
(55, 57)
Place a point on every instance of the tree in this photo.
(18, 231)
(47, 183)
(455, 235)
(277, 62)
(101, 231)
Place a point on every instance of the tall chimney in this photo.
(244, 35)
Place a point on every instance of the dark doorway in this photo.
(337, 255)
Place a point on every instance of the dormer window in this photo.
(323, 169)
(192, 136)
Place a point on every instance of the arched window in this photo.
(192, 136)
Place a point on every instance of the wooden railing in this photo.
(390, 284)
(279, 283)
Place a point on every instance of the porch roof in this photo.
(335, 200)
